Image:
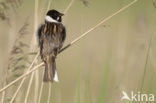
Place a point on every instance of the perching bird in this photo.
(51, 37)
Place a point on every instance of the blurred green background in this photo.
(111, 59)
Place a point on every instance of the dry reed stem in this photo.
(49, 93)
(145, 67)
(39, 98)
(74, 41)
(29, 86)
(37, 72)
(32, 48)
(70, 4)
(49, 4)
(3, 95)
(36, 90)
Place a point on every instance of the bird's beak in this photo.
(61, 14)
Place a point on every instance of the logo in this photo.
(138, 97)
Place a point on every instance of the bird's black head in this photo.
(54, 16)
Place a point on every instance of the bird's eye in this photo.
(58, 18)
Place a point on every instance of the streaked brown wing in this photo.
(52, 38)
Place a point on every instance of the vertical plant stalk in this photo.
(145, 67)
(3, 95)
(68, 7)
(36, 86)
(41, 88)
(29, 86)
(32, 48)
(79, 67)
(78, 82)
(49, 93)
(89, 92)
(39, 98)
(34, 39)
(35, 43)
(49, 4)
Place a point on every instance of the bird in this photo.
(51, 37)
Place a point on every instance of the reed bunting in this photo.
(51, 36)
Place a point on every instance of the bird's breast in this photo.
(52, 28)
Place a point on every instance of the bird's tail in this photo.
(50, 73)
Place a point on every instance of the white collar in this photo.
(49, 19)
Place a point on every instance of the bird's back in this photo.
(51, 38)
